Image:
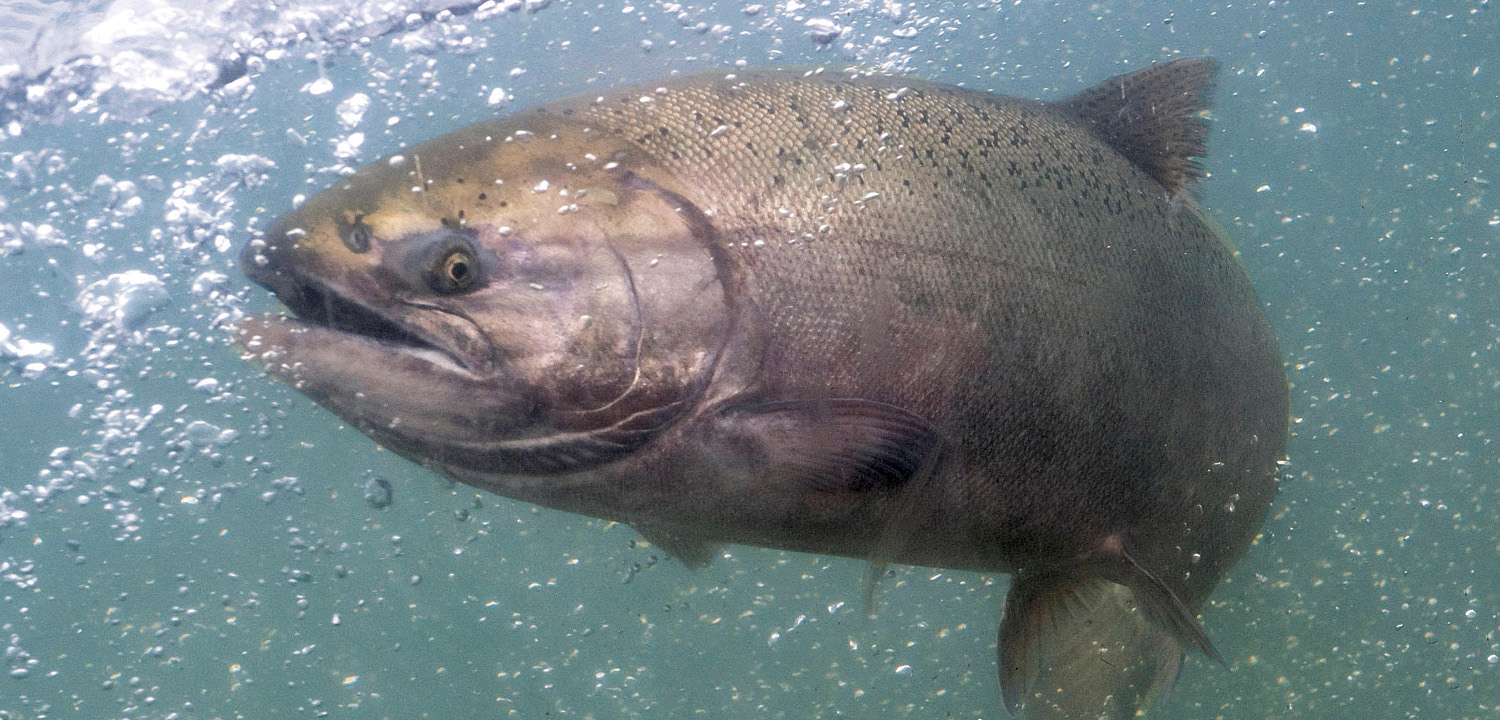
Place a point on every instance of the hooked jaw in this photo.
(358, 313)
(417, 375)
(413, 399)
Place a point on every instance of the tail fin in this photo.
(1074, 645)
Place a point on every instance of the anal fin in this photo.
(1100, 639)
(1048, 620)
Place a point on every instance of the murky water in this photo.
(182, 537)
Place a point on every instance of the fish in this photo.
(826, 311)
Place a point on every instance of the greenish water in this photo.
(153, 565)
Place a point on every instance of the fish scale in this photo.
(928, 246)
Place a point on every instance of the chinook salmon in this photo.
(832, 313)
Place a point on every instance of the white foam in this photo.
(130, 57)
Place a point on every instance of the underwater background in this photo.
(182, 537)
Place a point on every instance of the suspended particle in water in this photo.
(379, 493)
(823, 30)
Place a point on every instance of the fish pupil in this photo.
(358, 237)
(456, 275)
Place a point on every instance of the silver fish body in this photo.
(818, 311)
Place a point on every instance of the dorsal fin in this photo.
(1151, 116)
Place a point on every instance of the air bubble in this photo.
(379, 493)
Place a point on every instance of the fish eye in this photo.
(357, 236)
(455, 272)
(445, 261)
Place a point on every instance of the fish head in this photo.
(525, 296)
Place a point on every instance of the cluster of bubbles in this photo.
(125, 314)
(31, 356)
(125, 60)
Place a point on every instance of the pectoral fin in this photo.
(851, 447)
(824, 452)
(839, 444)
(830, 452)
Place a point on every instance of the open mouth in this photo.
(317, 307)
